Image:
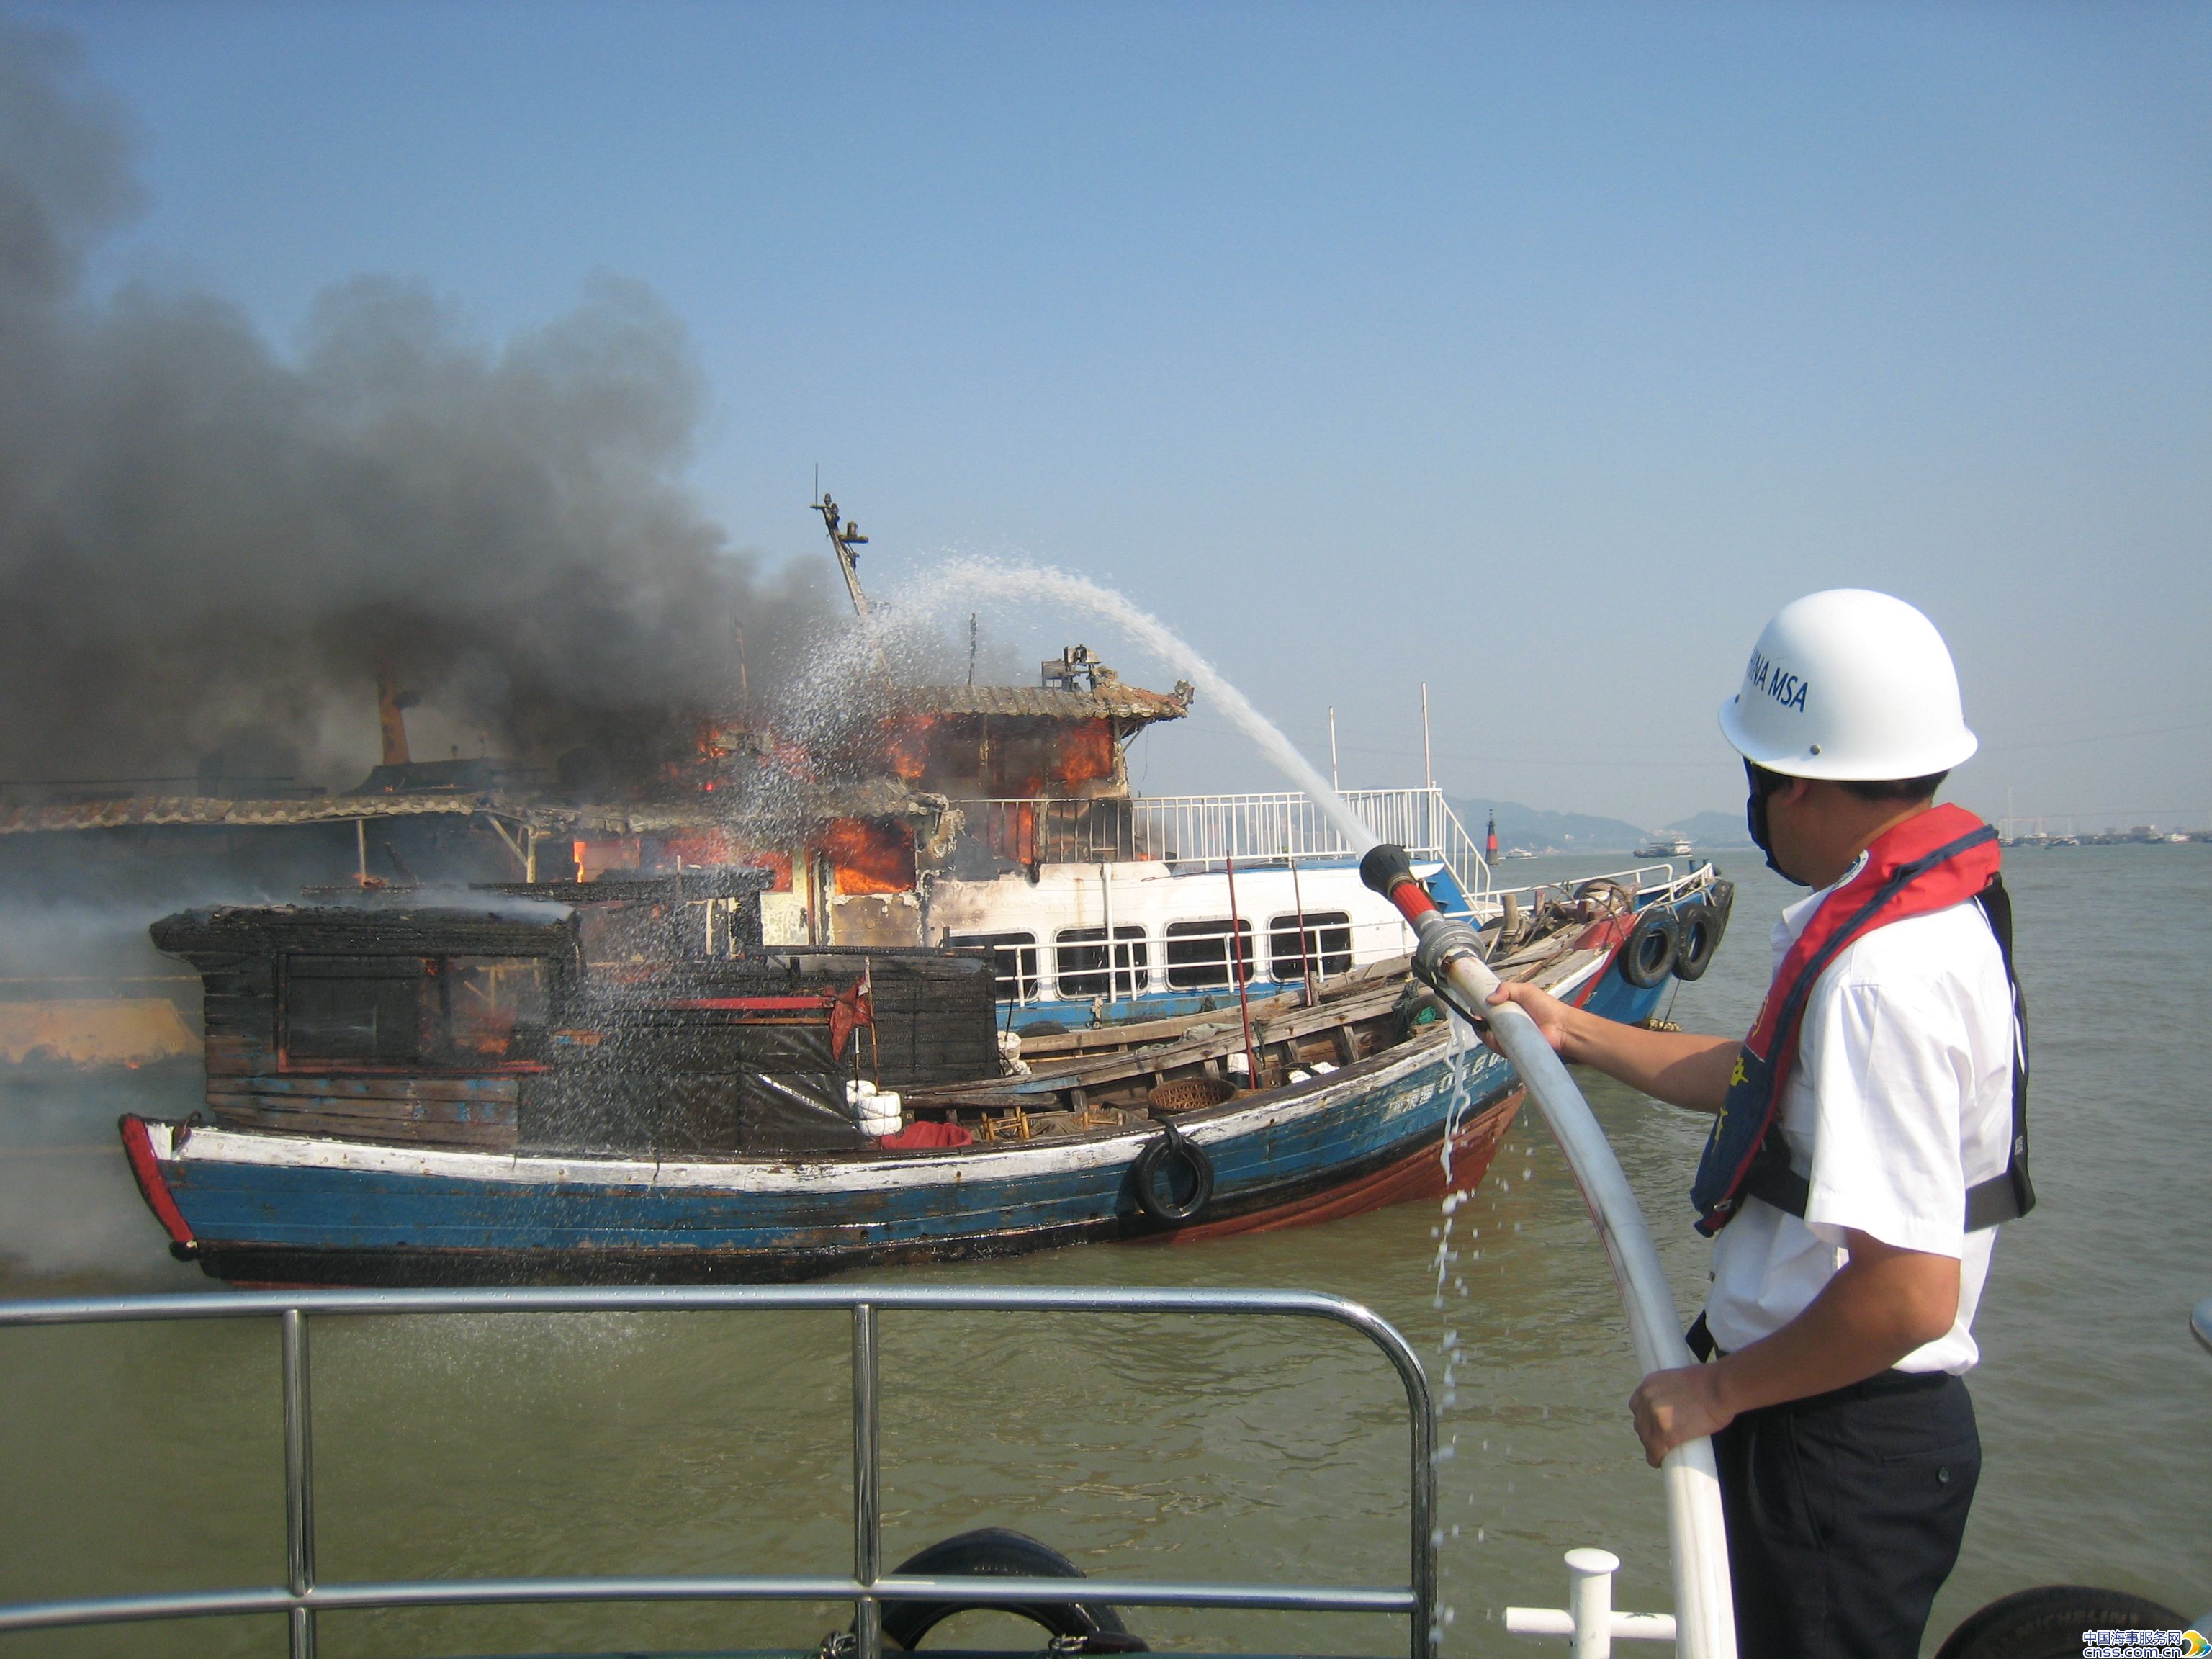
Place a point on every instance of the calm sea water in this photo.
(137, 1458)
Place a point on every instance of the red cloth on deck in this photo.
(922, 1132)
(856, 1008)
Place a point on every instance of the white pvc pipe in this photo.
(1589, 1602)
(1558, 1621)
(1705, 1613)
(1589, 1621)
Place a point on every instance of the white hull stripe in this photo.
(935, 1168)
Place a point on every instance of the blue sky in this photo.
(1536, 352)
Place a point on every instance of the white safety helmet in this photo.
(1849, 684)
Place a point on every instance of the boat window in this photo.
(1013, 960)
(354, 1008)
(1328, 949)
(628, 935)
(420, 1011)
(494, 1006)
(1079, 959)
(1199, 953)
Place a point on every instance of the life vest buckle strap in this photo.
(1774, 1181)
(1698, 1339)
(2000, 1198)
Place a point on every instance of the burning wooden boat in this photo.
(620, 1081)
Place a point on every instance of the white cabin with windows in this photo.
(1157, 937)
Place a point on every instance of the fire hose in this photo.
(1448, 958)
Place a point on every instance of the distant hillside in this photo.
(1536, 829)
(1712, 829)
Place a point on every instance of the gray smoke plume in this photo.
(208, 546)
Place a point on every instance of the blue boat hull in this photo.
(258, 1206)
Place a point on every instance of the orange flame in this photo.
(869, 857)
(1087, 752)
(906, 744)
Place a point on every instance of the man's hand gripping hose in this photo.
(1447, 958)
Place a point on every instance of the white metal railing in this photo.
(1209, 828)
(1646, 879)
(868, 1587)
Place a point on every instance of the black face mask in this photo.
(1764, 784)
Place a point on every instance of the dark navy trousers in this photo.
(1845, 1515)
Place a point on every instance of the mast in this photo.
(843, 541)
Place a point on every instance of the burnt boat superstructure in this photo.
(851, 837)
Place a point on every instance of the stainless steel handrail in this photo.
(301, 1597)
(1200, 829)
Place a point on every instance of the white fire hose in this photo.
(1705, 1614)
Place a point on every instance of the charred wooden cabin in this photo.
(616, 1017)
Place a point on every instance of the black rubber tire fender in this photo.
(1002, 1552)
(1648, 953)
(1722, 897)
(2047, 1622)
(1145, 1173)
(1697, 925)
(1704, 919)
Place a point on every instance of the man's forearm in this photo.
(1870, 1315)
(1680, 1067)
(1881, 1305)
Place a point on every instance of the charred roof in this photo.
(222, 812)
(1109, 700)
(346, 930)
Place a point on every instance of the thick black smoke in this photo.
(208, 547)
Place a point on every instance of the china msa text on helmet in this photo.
(1851, 685)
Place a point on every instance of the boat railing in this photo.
(1645, 879)
(303, 1594)
(1208, 830)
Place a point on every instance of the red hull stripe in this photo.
(155, 1191)
(755, 1005)
(1419, 1174)
(1608, 936)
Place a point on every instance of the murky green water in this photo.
(137, 1458)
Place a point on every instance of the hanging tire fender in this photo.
(1002, 1552)
(1703, 920)
(1698, 935)
(1172, 1146)
(1648, 953)
(2049, 1621)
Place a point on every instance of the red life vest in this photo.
(1932, 861)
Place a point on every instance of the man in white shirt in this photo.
(1865, 1138)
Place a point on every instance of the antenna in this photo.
(971, 648)
(843, 541)
(1428, 768)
